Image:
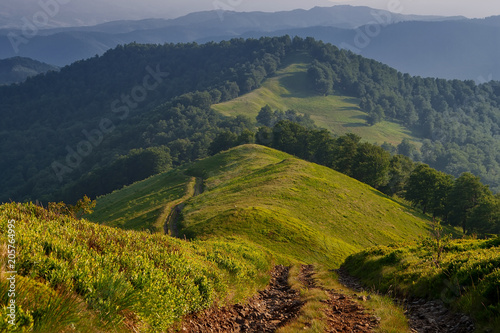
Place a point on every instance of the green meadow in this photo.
(288, 90)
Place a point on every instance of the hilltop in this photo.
(287, 205)
(241, 212)
(290, 89)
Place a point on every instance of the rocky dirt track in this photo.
(277, 305)
(265, 312)
(343, 313)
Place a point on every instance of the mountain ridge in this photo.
(272, 199)
(137, 278)
(200, 26)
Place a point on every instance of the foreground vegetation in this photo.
(466, 276)
(73, 274)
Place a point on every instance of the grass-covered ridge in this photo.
(96, 278)
(141, 206)
(295, 208)
(289, 89)
(467, 277)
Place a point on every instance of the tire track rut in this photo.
(424, 316)
(270, 309)
(171, 226)
(343, 313)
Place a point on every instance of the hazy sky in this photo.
(89, 12)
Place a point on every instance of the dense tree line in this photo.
(268, 117)
(463, 202)
(458, 120)
(60, 132)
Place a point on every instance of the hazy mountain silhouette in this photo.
(18, 69)
(447, 47)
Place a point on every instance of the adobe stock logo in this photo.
(222, 6)
(41, 19)
(121, 108)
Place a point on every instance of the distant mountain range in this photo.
(446, 47)
(18, 69)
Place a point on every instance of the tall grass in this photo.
(467, 277)
(78, 276)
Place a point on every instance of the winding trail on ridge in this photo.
(272, 307)
(173, 209)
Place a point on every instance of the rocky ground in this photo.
(433, 316)
(265, 312)
(279, 303)
(423, 315)
(343, 313)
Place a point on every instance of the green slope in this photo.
(141, 206)
(466, 277)
(77, 276)
(339, 114)
(296, 209)
(259, 207)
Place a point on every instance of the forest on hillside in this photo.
(459, 121)
(103, 115)
(105, 122)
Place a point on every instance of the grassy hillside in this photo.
(77, 276)
(467, 276)
(339, 114)
(259, 207)
(298, 210)
(141, 206)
